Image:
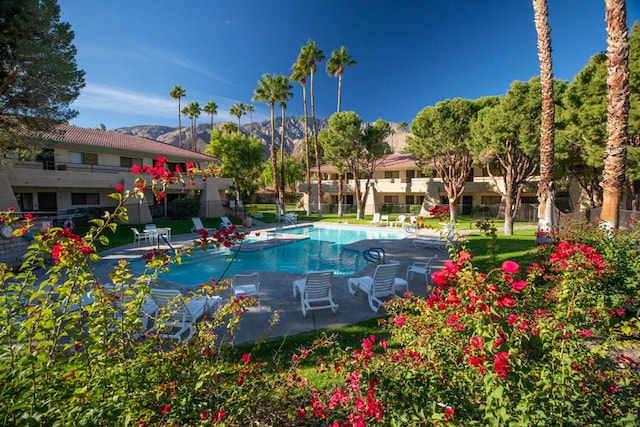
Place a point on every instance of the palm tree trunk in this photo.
(179, 125)
(274, 155)
(282, 189)
(315, 142)
(615, 155)
(546, 190)
(339, 90)
(306, 146)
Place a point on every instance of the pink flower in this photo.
(448, 413)
(246, 358)
(500, 365)
(400, 321)
(510, 267)
(166, 409)
(505, 301)
(136, 169)
(477, 342)
(119, 187)
(518, 285)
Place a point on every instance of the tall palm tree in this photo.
(299, 75)
(546, 190)
(267, 91)
(238, 110)
(177, 93)
(312, 56)
(336, 65)
(284, 94)
(192, 110)
(212, 109)
(249, 109)
(615, 154)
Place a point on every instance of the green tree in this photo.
(441, 137)
(615, 154)
(268, 91)
(212, 109)
(241, 158)
(238, 110)
(506, 137)
(311, 55)
(299, 75)
(192, 110)
(336, 65)
(229, 127)
(39, 76)
(546, 185)
(178, 93)
(376, 148)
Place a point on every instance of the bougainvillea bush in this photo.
(513, 346)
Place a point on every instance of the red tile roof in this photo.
(391, 161)
(121, 143)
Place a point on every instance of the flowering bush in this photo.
(440, 212)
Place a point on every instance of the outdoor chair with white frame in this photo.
(125, 298)
(314, 289)
(139, 237)
(197, 226)
(176, 312)
(246, 285)
(423, 268)
(378, 288)
(441, 241)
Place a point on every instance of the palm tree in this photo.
(299, 74)
(284, 94)
(238, 110)
(212, 109)
(177, 93)
(229, 128)
(249, 109)
(193, 111)
(336, 65)
(546, 190)
(615, 154)
(267, 91)
(311, 56)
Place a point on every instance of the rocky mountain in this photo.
(294, 134)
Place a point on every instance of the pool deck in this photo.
(276, 287)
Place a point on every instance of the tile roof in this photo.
(391, 161)
(121, 143)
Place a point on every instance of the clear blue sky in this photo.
(410, 53)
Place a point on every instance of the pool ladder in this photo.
(375, 255)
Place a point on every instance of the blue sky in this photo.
(410, 53)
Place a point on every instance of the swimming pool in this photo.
(323, 250)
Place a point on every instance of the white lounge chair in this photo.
(385, 219)
(197, 226)
(378, 288)
(176, 312)
(445, 238)
(140, 237)
(225, 222)
(376, 218)
(399, 222)
(123, 299)
(315, 288)
(246, 285)
(423, 268)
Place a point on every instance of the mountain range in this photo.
(294, 134)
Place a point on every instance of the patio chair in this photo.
(176, 312)
(399, 222)
(225, 223)
(313, 289)
(123, 300)
(376, 218)
(438, 242)
(246, 285)
(383, 284)
(423, 268)
(197, 226)
(139, 237)
(385, 219)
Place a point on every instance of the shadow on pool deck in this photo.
(276, 289)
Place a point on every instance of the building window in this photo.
(83, 158)
(532, 200)
(85, 198)
(391, 199)
(47, 159)
(409, 200)
(127, 162)
(491, 200)
(391, 174)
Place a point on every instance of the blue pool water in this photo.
(324, 250)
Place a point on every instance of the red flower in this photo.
(400, 321)
(136, 169)
(500, 365)
(246, 358)
(448, 413)
(510, 267)
(477, 342)
(505, 301)
(119, 187)
(166, 409)
(518, 285)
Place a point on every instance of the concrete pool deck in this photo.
(276, 287)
